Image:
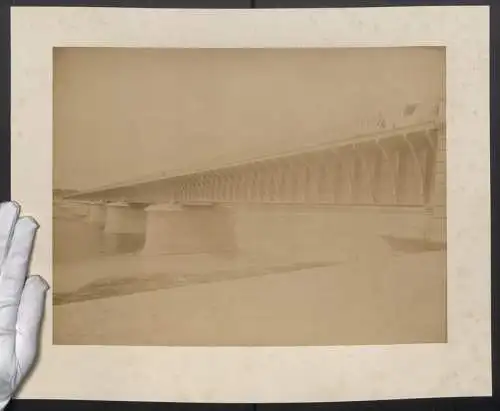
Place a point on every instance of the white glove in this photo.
(22, 300)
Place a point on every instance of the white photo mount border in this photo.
(459, 368)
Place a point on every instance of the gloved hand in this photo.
(22, 300)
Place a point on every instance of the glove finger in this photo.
(14, 271)
(9, 213)
(29, 319)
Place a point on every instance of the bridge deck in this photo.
(392, 167)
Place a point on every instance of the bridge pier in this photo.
(189, 229)
(77, 231)
(436, 232)
(124, 228)
(97, 214)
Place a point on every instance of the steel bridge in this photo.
(389, 168)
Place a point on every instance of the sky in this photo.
(124, 114)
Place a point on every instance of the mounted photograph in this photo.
(227, 204)
(249, 197)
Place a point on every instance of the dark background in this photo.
(453, 404)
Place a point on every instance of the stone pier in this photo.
(77, 230)
(97, 214)
(125, 227)
(189, 229)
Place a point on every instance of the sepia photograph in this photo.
(249, 196)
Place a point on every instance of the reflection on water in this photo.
(297, 276)
(89, 242)
(76, 239)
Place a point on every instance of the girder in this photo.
(393, 169)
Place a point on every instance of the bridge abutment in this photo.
(436, 232)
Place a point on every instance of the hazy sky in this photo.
(120, 114)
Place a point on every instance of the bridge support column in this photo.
(189, 229)
(124, 229)
(436, 227)
(76, 236)
(97, 214)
